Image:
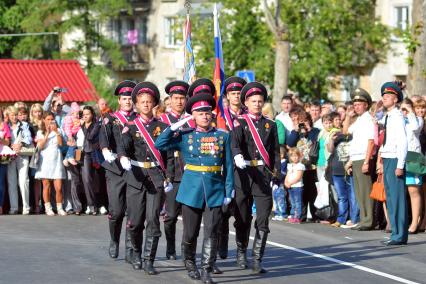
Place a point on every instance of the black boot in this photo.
(207, 259)
(150, 251)
(189, 250)
(258, 250)
(223, 237)
(242, 243)
(136, 252)
(170, 232)
(114, 231)
(215, 269)
(128, 246)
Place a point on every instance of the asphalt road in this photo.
(41, 249)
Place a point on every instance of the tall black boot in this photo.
(258, 250)
(136, 251)
(150, 251)
(170, 232)
(223, 238)
(207, 259)
(189, 251)
(241, 239)
(114, 231)
(128, 246)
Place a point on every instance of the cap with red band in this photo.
(251, 89)
(234, 83)
(124, 88)
(146, 88)
(177, 87)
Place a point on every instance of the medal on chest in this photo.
(209, 145)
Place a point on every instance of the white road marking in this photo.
(335, 260)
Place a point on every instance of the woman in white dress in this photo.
(50, 168)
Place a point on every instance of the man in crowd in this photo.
(116, 183)
(315, 112)
(361, 151)
(145, 177)
(284, 115)
(204, 189)
(257, 156)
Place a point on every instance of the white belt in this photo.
(114, 155)
(145, 165)
(254, 163)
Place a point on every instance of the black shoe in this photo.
(171, 256)
(113, 249)
(205, 277)
(364, 228)
(413, 233)
(395, 243)
(194, 274)
(188, 252)
(128, 248)
(215, 269)
(136, 261)
(149, 268)
(258, 250)
(257, 268)
(242, 259)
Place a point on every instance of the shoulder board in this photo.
(222, 130)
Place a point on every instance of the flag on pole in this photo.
(189, 71)
(219, 71)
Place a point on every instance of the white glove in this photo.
(273, 185)
(168, 186)
(227, 200)
(108, 156)
(239, 161)
(125, 163)
(180, 123)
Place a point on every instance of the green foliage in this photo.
(99, 75)
(411, 40)
(328, 38)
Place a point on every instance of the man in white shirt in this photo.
(315, 112)
(391, 163)
(361, 150)
(284, 115)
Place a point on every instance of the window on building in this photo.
(402, 17)
(129, 31)
(172, 32)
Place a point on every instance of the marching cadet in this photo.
(146, 180)
(116, 183)
(177, 91)
(207, 181)
(233, 86)
(257, 156)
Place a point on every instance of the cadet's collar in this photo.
(254, 116)
(146, 121)
(174, 114)
(125, 113)
(199, 129)
(235, 113)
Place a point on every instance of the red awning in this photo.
(32, 80)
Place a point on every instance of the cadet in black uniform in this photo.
(177, 91)
(233, 86)
(257, 155)
(116, 183)
(145, 176)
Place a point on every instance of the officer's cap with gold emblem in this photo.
(361, 95)
(177, 87)
(201, 86)
(146, 88)
(124, 88)
(394, 88)
(202, 102)
(234, 83)
(251, 89)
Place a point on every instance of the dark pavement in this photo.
(41, 249)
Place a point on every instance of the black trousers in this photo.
(116, 188)
(309, 193)
(76, 188)
(90, 182)
(192, 221)
(143, 204)
(173, 208)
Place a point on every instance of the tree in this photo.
(416, 45)
(328, 38)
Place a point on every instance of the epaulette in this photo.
(222, 130)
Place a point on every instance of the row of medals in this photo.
(209, 145)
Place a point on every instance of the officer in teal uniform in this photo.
(207, 182)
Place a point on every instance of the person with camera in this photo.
(50, 168)
(304, 136)
(17, 170)
(55, 103)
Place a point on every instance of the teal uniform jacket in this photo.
(212, 148)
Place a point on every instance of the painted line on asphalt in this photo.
(335, 260)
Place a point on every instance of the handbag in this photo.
(27, 150)
(35, 158)
(378, 189)
(77, 155)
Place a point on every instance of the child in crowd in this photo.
(71, 126)
(279, 194)
(294, 183)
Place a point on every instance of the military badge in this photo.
(190, 148)
(106, 120)
(267, 125)
(157, 131)
(190, 141)
(138, 134)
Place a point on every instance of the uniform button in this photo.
(202, 164)
(147, 158)
(204, 173)
(199, 156)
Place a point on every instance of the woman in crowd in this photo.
(413, 126)
(36, 119)
(17, 170)
(50, 168)
(4, 140)
(90, 130)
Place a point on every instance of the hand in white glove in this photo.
(273, 186)
(180, 123)
(227, 200)
(125, 163)
(108, 156)
(239, 161)
(168, 186)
